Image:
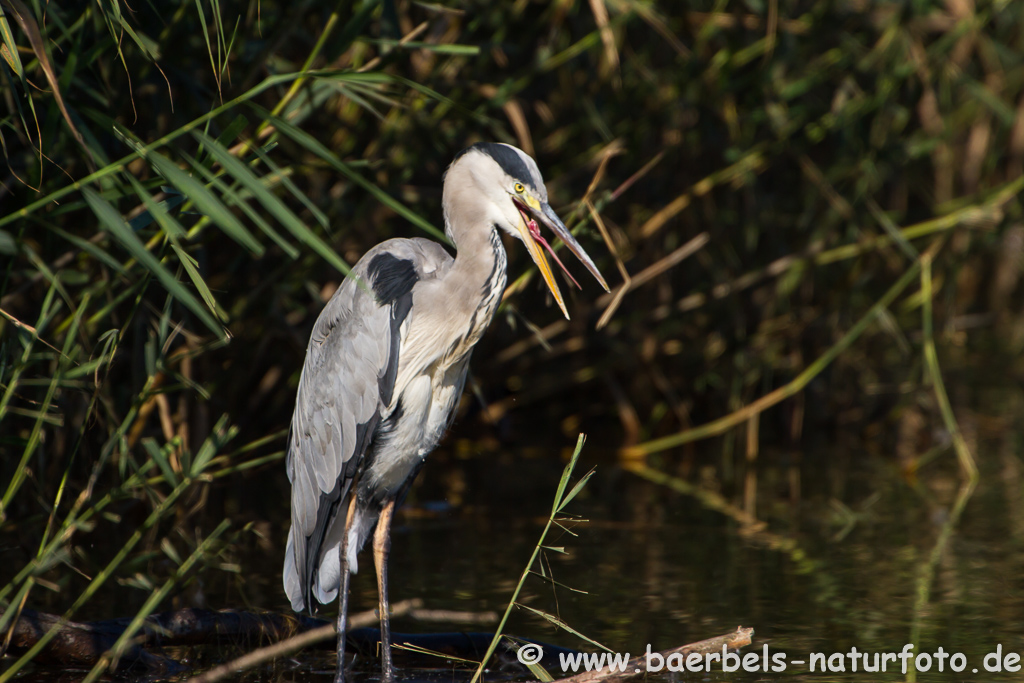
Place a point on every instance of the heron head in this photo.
(505, 186)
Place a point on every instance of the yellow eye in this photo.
(519, 188)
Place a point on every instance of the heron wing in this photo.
(347, 385)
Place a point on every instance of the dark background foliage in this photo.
(820, 147)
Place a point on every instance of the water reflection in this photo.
(834, 568)
(660, 569)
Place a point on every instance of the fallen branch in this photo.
(326, 632)
(637, 666)
(84, 644)
(81, 645)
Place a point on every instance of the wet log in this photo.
(77, 645)
(636, 667)
(272, 635)
(81, 645)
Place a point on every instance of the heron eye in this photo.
(519, 188)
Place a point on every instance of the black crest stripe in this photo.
(511, 161)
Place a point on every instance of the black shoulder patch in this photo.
(392, 277)
(509, 160)
(386, 381)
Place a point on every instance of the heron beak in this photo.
(531, 211)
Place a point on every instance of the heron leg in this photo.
(381, 548)
(339, 676)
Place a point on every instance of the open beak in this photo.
(532, 211)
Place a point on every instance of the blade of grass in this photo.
(191, 267)
(576, 489)
(564, 626)
(156, 211)
(35, 436)
(158, 513)
(205, 201)
(314, 146)
(319, 215)
(160, 458)
(90, 248)
(175, 232)
(566, 474)
(220, 435)
(238, 196)
(10, 48)
(968, 467)
(241, 173)
(112, 221)
(723, 424)
(124, 640)
(535, 667)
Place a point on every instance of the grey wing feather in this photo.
(346, 385)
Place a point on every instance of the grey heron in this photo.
(385, 367)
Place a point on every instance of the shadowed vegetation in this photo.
(811, 224)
